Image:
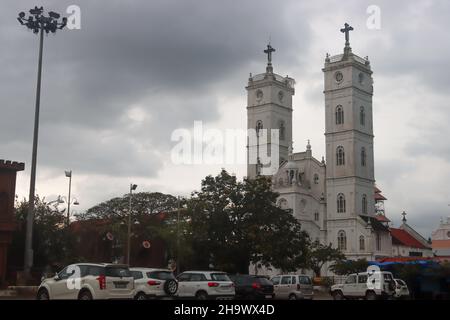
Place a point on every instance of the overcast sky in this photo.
(114, 91)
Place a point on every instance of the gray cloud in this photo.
(115, 90)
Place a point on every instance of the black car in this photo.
(252, 287)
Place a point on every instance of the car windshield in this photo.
(264, 281)
(220, 277)
(160, 275)
(401, 282)
(117, 272)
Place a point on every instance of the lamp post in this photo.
(132, 188)
(39, 23)
(69, 175)
(63, 199)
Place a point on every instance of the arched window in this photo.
(378, 242)
(342, 240)
(339, 115)
(364, 204)
(282, 130)
(340, 156)
(362, 116)
(259, 126)
(363, 156)
(316, 216)
(362, 244)
(316, 178)
(340, 203)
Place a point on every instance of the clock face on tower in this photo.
(338, 76)
(280, 96)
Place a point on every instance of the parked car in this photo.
(203, 285)
(252, 287)
(401, 289)
(356, 286)
(87, 281)
(293, 287)
(153, 283)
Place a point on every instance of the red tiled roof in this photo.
(400, 236)
(382, 218)
(377, 190)
(379, 196)
(404, 259)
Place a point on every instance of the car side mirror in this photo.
(56, 277)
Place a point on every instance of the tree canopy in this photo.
(237, 223)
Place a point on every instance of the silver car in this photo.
(293, 287)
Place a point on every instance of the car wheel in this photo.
(170, 287)
(337, 295)
(370, 295)
(43, 295)
(202, 295)
(140, 296)
(85, 295)
(292, 296)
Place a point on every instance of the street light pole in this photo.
(178, 237)
(38, 23)
(69, 175)
(132, 187)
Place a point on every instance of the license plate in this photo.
(121, 285)
(268, 296)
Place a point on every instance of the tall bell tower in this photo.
(349, 138)
(269, 106)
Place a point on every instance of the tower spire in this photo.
(346, 30)
(268, 51)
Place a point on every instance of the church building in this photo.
(333, 198)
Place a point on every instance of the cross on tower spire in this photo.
(347, 28)
(404, 216)
(269, 51)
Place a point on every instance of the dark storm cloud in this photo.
(165, 56)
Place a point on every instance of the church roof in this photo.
(401, 237)
(376, 225)
(382, 218)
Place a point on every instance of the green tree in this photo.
(154, 215)
(344, 267)
(320, 254)
(237, 223)
(52, 243)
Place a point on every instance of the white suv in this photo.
(203, 285)
(357, 286)
(153, 283)
(87, 281)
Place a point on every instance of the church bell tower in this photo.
(269, 107)
(349, 138)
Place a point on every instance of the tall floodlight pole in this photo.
(39, 23)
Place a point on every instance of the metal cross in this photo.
(347, 28)
(269, 51)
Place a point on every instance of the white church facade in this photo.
(333, 198)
